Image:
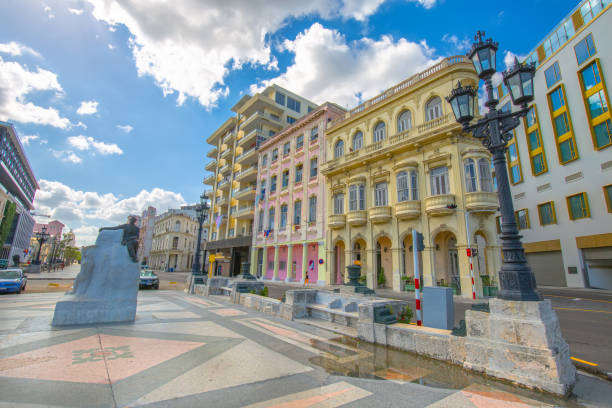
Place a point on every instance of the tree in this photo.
(72, 254)
(7, 221)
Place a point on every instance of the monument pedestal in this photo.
(106, 288)
(521, 342)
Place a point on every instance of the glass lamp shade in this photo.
(519, 81)
(462, 100)
(483, 56)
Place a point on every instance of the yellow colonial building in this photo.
(398, 162)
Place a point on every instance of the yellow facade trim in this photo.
(542, 246)
(594, 241)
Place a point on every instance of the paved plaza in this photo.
(186, 351)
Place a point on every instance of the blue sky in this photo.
(113, 99)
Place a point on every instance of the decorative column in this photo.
(276, 253)
(290, 277)
(304, 261)
(253, 266)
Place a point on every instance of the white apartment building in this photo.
(560, 160)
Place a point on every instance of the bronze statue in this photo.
(130, 236)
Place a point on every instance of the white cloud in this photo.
(509, 57)
(66, 156)
(74, 11)
(326, 67)
(125, 128)
(87, 108)
(190, 52)
(86, 211)
(16, 49)
(460, 45)
(26, 139)
(49, 12)
(16, 83)
(89, 143)
(111, 47)
(80, 124)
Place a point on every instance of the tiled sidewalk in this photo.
(189, 351)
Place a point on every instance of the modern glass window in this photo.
(607, 190)
(274, 155)
(283, 216)
(298, 173)
(272, 184)
(339, 149)
(297, 212)
(433, 108)
(535, 147)
(380, 194)
(403, 187)
(260, 221)
(357, 197)
(522, 218)
(285, 179)
(312, 209)
(558, 38)
(552, 74)
(564, 135)
(470, 175)
(578, 206)
(357, 141)
(506, 107)
(514, 161)
(404, 121)
(314, 134)
(271, 219)
(299, 142)
(597, 104)
(439, 180)
(546, 211)
(414, 185)
(286, 148)
(339, 203)
(280, 98)
(313, 167)
(484, 172)
(379, 132)
(591, 8)
(293, 104)
(291, 120)
(585, 49)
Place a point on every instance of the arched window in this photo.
(403, 190)
(357, 141)
(470, 175)
(379, 132)
(484, 171)
(283, 216)
(433, 108)
(339, 149)
(404, 121)
(177, 226)
(175, 242)
(357, 252)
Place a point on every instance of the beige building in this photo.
(560, 160)
(234, 171)
(400, 162)
(174, 241)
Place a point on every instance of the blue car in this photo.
(148, 279)
(12, 280)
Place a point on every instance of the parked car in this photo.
(12, 280)
(148, 279)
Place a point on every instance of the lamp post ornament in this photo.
(201, 214)
(517, 281)
(41, 237)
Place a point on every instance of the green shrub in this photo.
(405, 315)
(252, 291)
(7, 221)
(363, 279)
(381, 276)
(486, 281)
(264, 292)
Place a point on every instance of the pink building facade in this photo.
(54, 229)
(290, 220)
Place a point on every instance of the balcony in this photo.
(211, 166)
(226, 153)
(251, 136)
(244, 212)
(245, 194)
(212, 153)
(228, 138)
(248, 174)
(481, 201)
(440, 205)
(210, 180)
(357, 218)
(221, 200)
(223, 185)
(337, 221)
(246, 155)
(224, 169)
(407, 210)
(380, 215)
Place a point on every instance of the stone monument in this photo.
(106, 288)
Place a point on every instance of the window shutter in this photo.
(541, 53)
(577, 20)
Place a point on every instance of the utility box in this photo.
(438, 307)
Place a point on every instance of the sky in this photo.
(113, 99)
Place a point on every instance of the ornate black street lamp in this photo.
(517, 281)
(201, 212)
(41, 237)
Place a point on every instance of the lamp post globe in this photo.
(201, 217)
(494, 128)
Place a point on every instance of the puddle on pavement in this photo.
(345, 356)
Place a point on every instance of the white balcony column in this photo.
(253, 266)
(304, 261)
(276, 253)
(290, 277)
